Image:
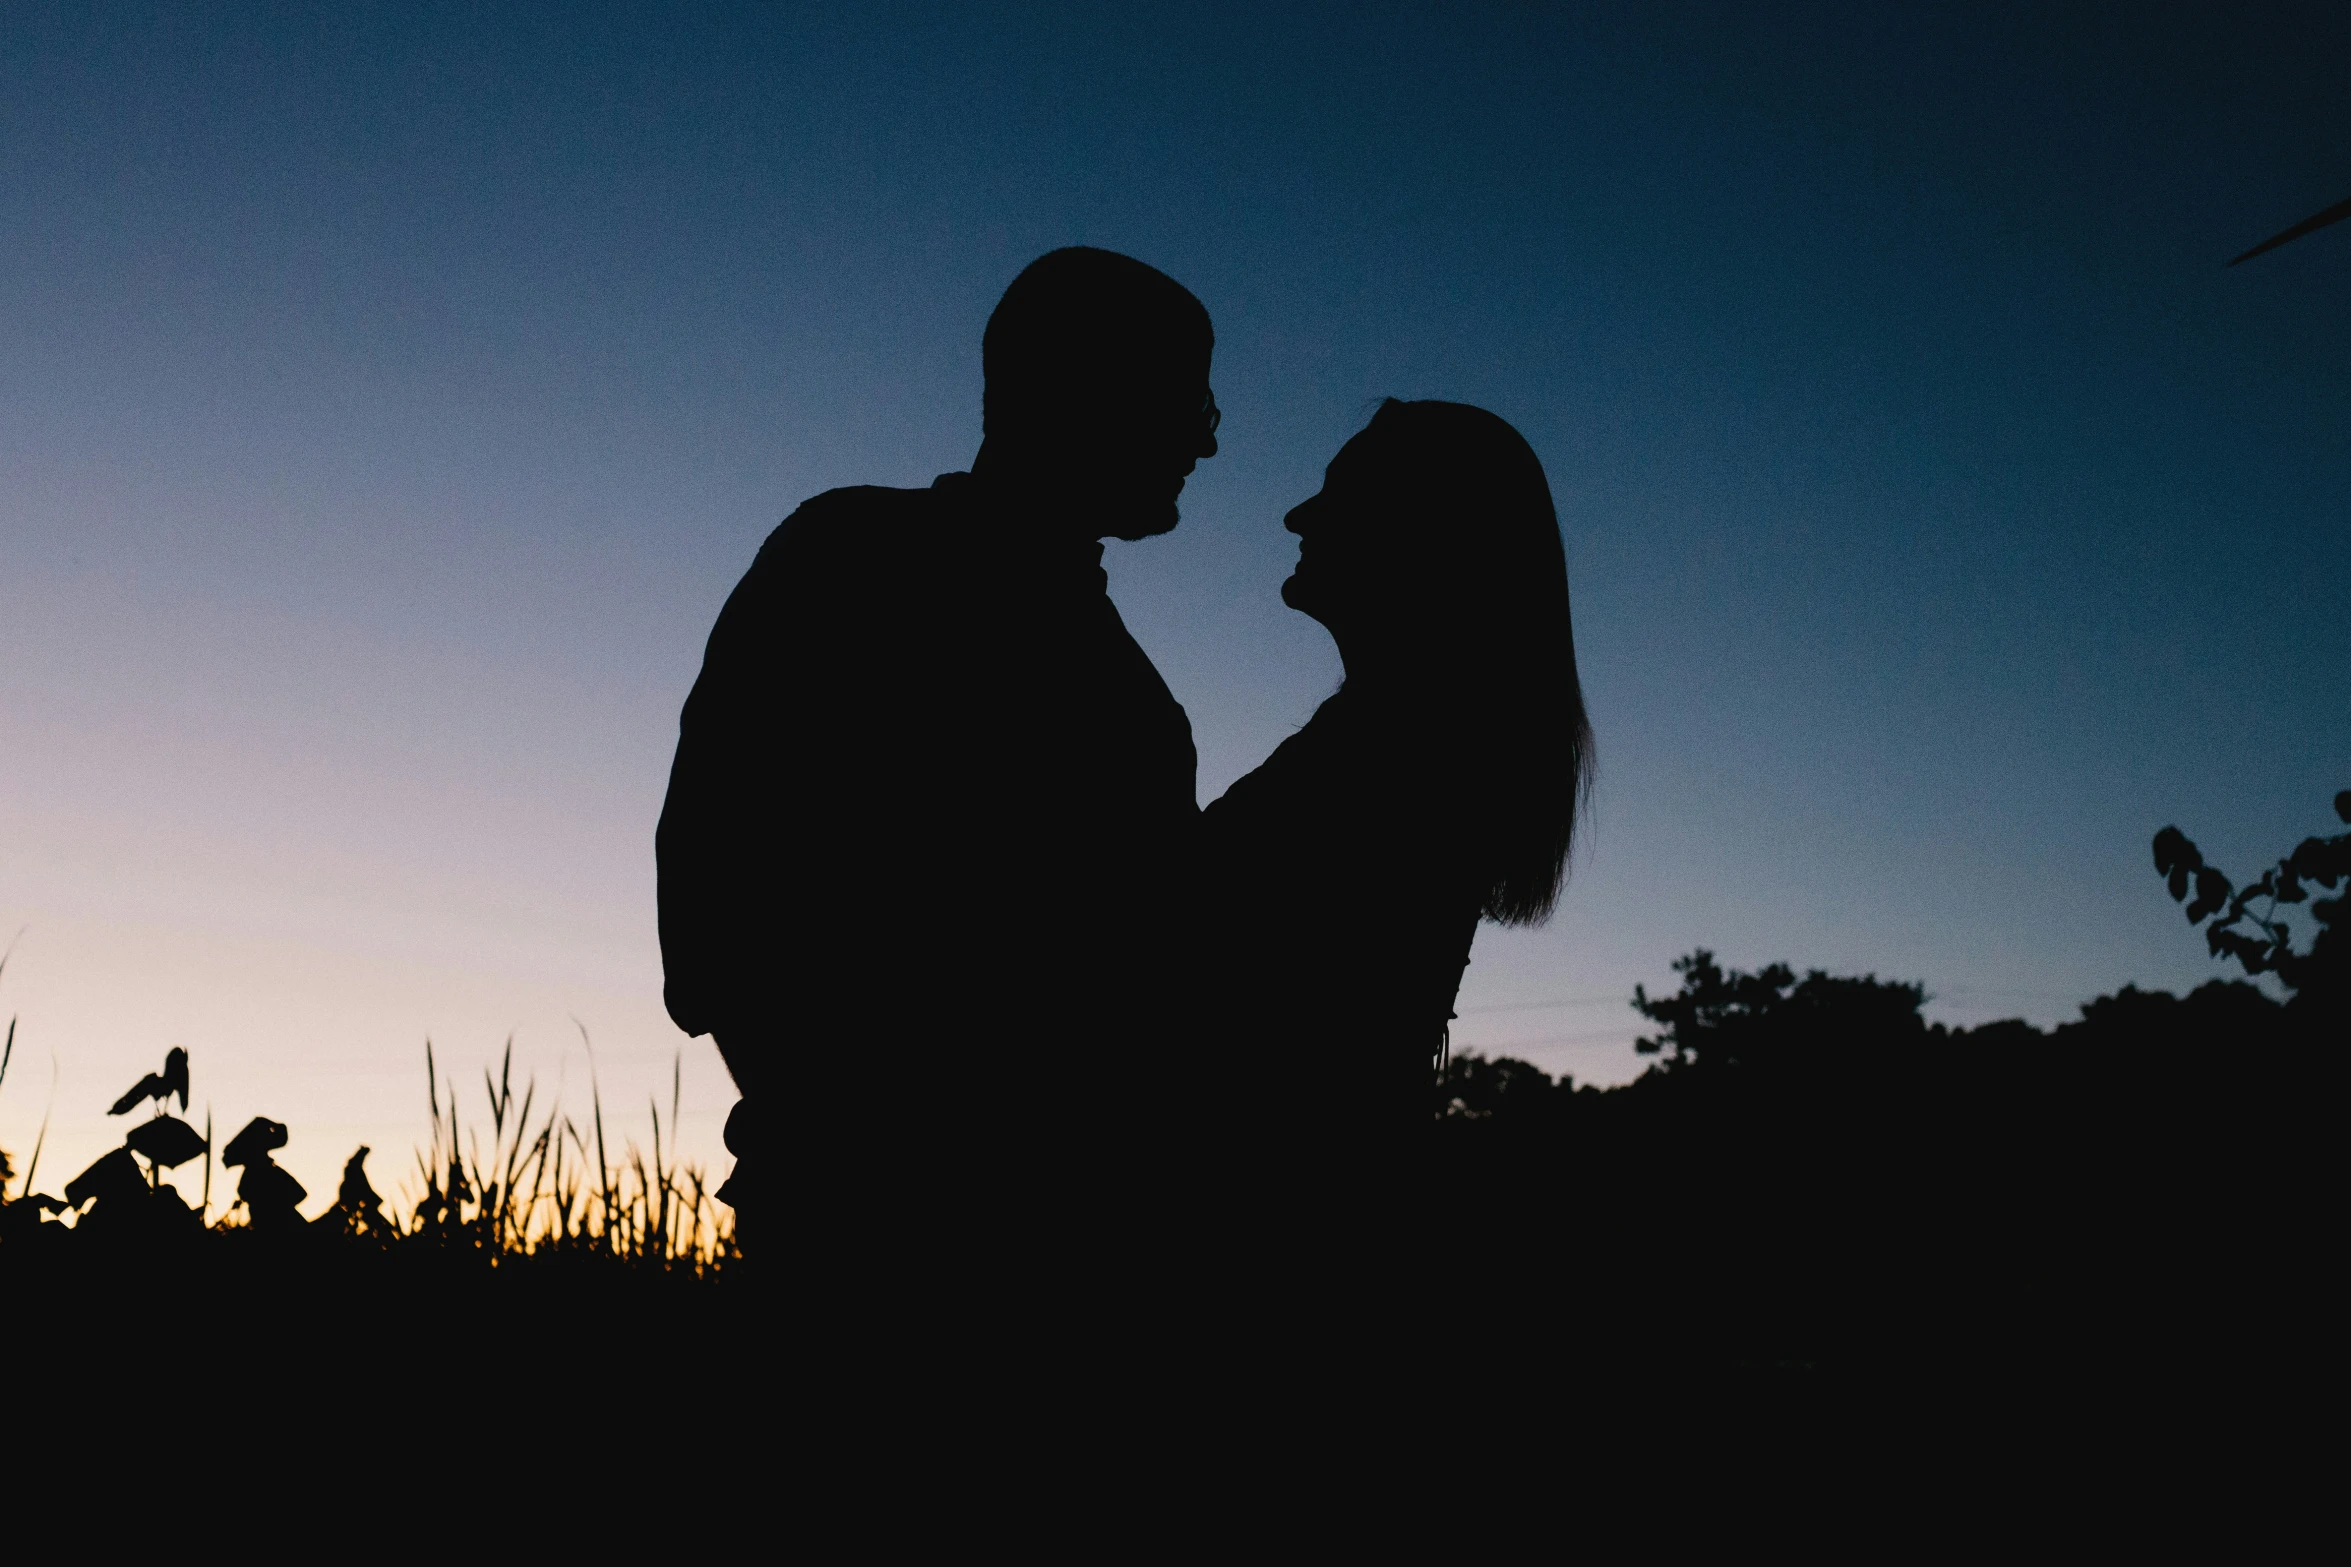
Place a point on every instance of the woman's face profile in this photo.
(1345, 538)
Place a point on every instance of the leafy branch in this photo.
(2260, 940)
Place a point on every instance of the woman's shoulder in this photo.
(1298, 766)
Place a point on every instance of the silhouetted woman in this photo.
(1441, 785)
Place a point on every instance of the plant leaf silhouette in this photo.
(260, 1138)
(114, 1176)
(158, 1086)
(166, 1141)
(2310, 225)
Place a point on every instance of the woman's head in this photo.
(1433, 555)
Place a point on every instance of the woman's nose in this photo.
(1299, 516)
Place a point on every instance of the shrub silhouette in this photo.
(1809, 1171)
(128, 1201)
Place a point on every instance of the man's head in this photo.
(1097, 389)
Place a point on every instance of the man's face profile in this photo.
(1128, 451)
(1097, 390)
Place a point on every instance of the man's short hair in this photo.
(1078, 323)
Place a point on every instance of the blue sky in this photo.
(390, 395)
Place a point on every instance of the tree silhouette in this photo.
(1771, 1024)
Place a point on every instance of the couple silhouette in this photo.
(932, 871)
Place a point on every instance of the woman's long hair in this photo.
(1495, 582)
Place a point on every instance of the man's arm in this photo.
(698, 848)
(764, 755)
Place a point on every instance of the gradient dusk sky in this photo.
(390, 395)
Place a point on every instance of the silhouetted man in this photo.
(928, 788)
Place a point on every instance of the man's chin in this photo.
(1145, 522)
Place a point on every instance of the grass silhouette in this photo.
(539, 1249)
(544, 1188)
(552, 1187)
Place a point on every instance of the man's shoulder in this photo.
(854, 520)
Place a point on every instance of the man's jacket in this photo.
(927, 798)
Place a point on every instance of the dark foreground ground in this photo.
(1822, 1247)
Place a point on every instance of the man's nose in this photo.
(1298, 517)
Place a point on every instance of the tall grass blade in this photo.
(42, 1141)
(607, 1190)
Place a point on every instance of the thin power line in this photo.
(1615, 1036)
(1934, 993)
(1937, 992)
(1542, 1006)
